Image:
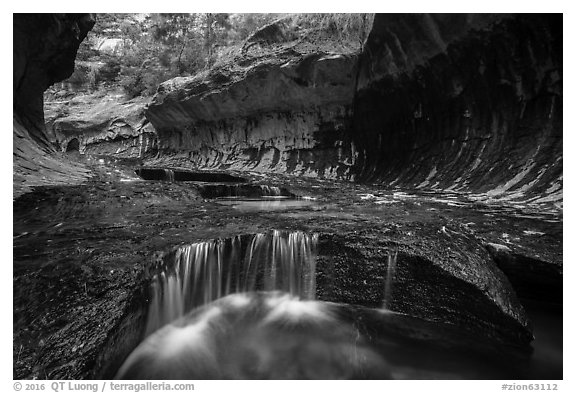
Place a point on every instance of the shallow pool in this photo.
(267, 203)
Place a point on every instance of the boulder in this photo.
(442, 275)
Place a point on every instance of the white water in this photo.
(204, 272)
(390, 276)
(271, 190)
(169, 175)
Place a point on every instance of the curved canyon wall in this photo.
(450, 102)
(44, 51)
(479, 111)
(288, 114)
(444, 102)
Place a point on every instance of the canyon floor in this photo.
(81, 254)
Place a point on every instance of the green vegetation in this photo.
(140, 51)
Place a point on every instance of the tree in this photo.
(156, 47)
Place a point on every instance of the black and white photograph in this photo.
(287, 196)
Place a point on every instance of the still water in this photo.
(266, 203)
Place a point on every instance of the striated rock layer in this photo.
(443, 105)
(45, 47)
(100, 124)
(288, 115)
(454, 102)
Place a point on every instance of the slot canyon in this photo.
(287, 196)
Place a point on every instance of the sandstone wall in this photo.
(45, 47)
(284, 115)
(44, 51)
(475, 111)
(453, 102)
(101, 123)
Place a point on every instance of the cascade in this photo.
(271, 191)
(203, 272)
(390, 275)
(169, 175)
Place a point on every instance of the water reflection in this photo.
(266, 203)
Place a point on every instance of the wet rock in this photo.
(462, 102)
(454, 91)
(66, 237)
(448, 278)
(532, 278)
(446, 102)
(169, 174)
(243, 190)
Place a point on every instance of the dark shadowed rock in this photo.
(441, 113)
(45, 47)
(469, 103)
(463, 102)
(531, 276)
(438, 275)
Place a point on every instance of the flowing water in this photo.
(271, 190)
(203, 272)
(390, 273)
(255, 296)
(169, 175)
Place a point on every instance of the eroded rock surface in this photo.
(102, 123)
(443, 104)
(285, 111)
(33, 166)
(432, 102)
(532, 276)
(45, 47)
(106, 233)
(471, 103)
(438, 274)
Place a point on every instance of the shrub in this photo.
(80, 75)
(131, 81)
(143, 81)
(109, 71)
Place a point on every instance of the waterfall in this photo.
(169, 175)
(271, 191)
(390, 276)
(203, 272)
